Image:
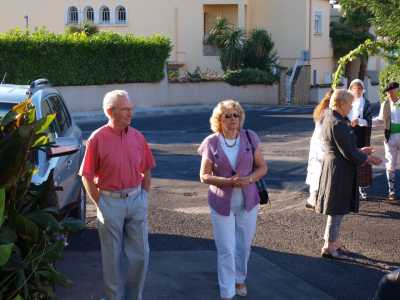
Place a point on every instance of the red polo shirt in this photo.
(116, 160)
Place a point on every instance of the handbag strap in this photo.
(252, 147)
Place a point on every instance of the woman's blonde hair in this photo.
(318, 111)
(339, 97)
(220, 109)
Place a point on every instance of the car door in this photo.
(66, 169)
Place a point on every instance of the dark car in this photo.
(58, 166)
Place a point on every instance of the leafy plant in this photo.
(230, 41)
(195, 76)
(31, 231)
(232, 52)
(88, 28)
(220, 32)
(81, 59)
(245, 61)
(249, 76)
(259, 51)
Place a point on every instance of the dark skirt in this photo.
(364, 173)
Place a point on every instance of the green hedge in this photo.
(249, 76)
(77, 59)
(388, 74)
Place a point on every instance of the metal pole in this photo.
(26, 22)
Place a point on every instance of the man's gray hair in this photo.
(111, 98)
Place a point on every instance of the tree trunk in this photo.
(353, 70)
(363, 67)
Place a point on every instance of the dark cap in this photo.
(391, 86)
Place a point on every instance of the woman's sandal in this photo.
(325, 253)
(343, 249)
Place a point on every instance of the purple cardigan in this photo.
(220, 198)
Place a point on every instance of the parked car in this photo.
(61, 163)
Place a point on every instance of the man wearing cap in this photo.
(116, 174)
(389, 115)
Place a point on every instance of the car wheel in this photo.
(79, 211)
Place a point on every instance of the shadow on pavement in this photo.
(187, 267)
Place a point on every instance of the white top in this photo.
(394, 112)
(315, 158)
(232, 154)
(356, 112)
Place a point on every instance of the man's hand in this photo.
(91, 190)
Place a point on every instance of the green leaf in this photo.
(2, 205)
(52, 210)
(31, 115)
(41, 141)
(18, 297)
(26, 228)
(42, 125)
(5, 253)
(54, 252)
(72, 225)
(44, 220)
(7, 235)
(53, 276)
(8, 118)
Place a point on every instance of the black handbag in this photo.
(261, 186)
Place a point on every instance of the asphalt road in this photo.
(287, 234)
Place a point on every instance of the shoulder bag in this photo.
(261, 186)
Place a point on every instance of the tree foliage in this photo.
(383, 15)
(347, 35)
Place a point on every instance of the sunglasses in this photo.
(230, 116)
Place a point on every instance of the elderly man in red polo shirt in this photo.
(116, 174)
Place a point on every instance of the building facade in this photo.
(299, 28)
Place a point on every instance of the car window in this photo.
(5, 107)
(53, 128)
(63, 119)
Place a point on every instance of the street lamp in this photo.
(26, 22)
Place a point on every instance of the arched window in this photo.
(120, 13)
(105, 14)
(73, 16)
(89, 14)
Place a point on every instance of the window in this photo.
(5, 107)
(45, 108)
(105, 14)
(89, 14)
(318, 22)
(120, 14)
(63, 119)
(73, 15)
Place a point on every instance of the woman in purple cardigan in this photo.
(227, 167)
